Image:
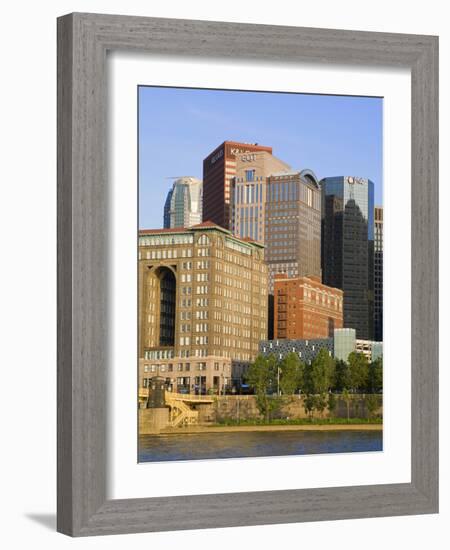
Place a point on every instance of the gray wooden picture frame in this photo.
(83, 41)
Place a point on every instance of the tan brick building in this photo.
(248, 193)
(219, 169)
(202, 306)
(293, 225)
(304, 308)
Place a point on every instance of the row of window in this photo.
(197, 340)
(230, 318)
(229, 243)
(179, 367)
(200, 277)
(166, 254)
(235, 330)
(231, 269)
(159, 354)
(166, 240)
(218, 303)
(248, 194)
(184, 382)
(236, 283)
(281, 220)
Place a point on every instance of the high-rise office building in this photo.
(248, 193)
(167, 204)
(293, 225)
(304, 308)
(219, 169)
(378, 274)
(348, 248)
(183, 206)
(202, 306)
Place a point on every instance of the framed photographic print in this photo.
(238, 311)
(251, 341)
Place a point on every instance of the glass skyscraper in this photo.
(378, 273)
(167, 206)
(183, 206)
(348, 248)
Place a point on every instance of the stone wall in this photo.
(153, 420)
(243, 407)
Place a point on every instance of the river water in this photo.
(157, 448)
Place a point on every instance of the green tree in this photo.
(307, 384)
(342, 376)
(375, 379)
(359, 370)
(321, 403)
(332, 403)
(309, 404)
(347, 398)
(372, 404)
(261, 374)
(268, 405)
(262, 377)
(291, 374)
(322, 372)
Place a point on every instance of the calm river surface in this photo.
(157, 448)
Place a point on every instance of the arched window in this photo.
(203, 240)
(167, 305)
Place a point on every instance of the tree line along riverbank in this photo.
(322, 385)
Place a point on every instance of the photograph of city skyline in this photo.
(260, 274)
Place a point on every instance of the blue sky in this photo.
(178, 128)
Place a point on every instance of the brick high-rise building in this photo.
(348, 247)
(378, 275)
(304, 308)
(202, 306)
(219, 169)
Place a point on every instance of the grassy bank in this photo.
(299, 422)
(308, 427)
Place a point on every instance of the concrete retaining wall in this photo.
(152, 421)
(244, 407)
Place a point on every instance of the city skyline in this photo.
(332, 135)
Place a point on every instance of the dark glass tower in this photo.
(348, 248)
(378, 271)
